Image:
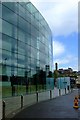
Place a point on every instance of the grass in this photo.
(20, 89)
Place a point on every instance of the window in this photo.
(21, 35)
(33, 42)
(9, 16)
(0, 40)
(9, 29)
(1, 25)
(28, 39)
(33, 52)
(8, 71)
(21, 72)
(28, 50)
(11, 5)
(6, 45)
(21, 11)
(0, 10)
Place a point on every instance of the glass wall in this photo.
(26, 48)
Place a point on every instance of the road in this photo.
(60, 107)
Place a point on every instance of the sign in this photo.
(49, 83)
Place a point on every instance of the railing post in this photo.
(50, 94)
(21, 101)
(3, 114)
(65, 90)
(59, 92)
(37, 95)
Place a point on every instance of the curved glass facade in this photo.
(26, 41)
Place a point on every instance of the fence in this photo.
(12, 105)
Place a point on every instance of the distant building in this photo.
(65, 71)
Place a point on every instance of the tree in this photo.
(55, 76)
(50, 74)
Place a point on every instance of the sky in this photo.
(62, 17)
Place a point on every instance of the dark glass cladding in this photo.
(26, 40)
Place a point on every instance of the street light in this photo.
(5, 65)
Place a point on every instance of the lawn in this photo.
(21, 90)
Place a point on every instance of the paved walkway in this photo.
(60, 107)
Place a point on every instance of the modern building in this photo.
(25, 40)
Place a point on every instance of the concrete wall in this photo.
(0, 109)
(44, 96)
(55, 92)
(12, 104)
(29, 99)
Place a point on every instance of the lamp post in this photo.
(27, 82)
(37, 77)
(5, 65)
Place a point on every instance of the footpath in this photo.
(59, 107)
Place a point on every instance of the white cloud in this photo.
(67, 61)
(59, 48)
(62, 16)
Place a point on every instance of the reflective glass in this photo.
(0, 10)
(28, 16)
(8, 71)
(28, 51)
(0, 40)
(21, 11)
(0, 25)
(11, 5)
(9, 29)
(28, 39)
(33, 52)
(21, 72)
(9, 15)
(33, 42)
(21, 35)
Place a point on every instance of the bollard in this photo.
(59, 92)
(21, 101)
(50, 94)
(3, 114)
(65, 90)
(37, 95)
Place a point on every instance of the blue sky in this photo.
(62, 17)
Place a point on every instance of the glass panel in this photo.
(28, 16)
(9, 43)
(33, 63)
(33, 42)
(9, 29)
(21, 72)
(8, 71)
(21, 35)
(0, 69)
(6, 58)
(28, 50)
(33, 52)
(0, 40)
(28, 7)
(28, 39)
(6, 45)
(12, 5)
(0, 10)
(0, 25)
(21, 11)
(8, 15)
(24, 25)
